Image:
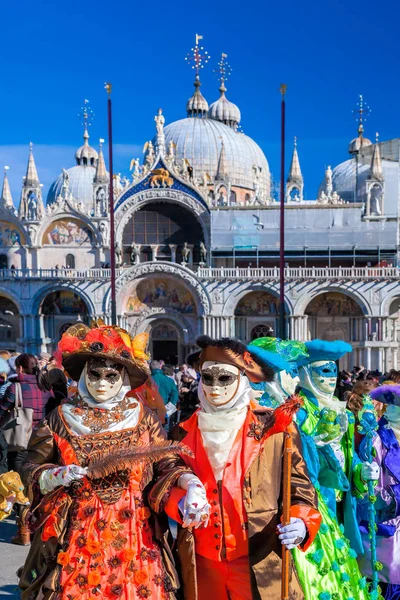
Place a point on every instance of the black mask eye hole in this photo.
(327, 371)
(112, 376)
(94, 374)
(207, 378)
(224, 378)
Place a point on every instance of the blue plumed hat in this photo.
(323, 350)
(264, 356)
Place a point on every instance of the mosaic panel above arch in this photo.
(160, 292)
(10, 235)
(63, 302)
(256, 304)
(333, 304)
(67, 232)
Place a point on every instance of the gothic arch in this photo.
(146, 319)
(39, 297)
(306, 298)
(85, 220)
(163, 268)
(139, 200)
(237, 295)
(387, 301)
(14, 298)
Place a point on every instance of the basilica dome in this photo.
(199, 140)
(349, 178)
(81, 179)
(225, 111)
(82, 176)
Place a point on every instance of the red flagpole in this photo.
(282, 324)
(111, 209)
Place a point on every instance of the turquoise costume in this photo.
(328, 570)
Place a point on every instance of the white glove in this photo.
(52, 478)
(196, 510)
(292, 535)
(370, 471)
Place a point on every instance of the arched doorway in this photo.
(3, 261)
(9, 324)
(255, 314)
(334, 316)
(59, 310)
(164, 338)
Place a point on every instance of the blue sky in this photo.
(55, 54)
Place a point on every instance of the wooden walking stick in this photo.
(283, 418)
(287, 475)
(283, 423)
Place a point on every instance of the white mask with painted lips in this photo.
(103, 378)
(324, 376)
(220, 382)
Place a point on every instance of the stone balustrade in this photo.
(220, 273)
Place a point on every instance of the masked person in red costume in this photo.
(237, 454)
(102, 533)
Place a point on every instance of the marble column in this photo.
(173, 248)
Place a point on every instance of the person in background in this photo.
(166, 386)
(36, 391)
(178, 374)
(169, 372)
(344, 385)
(4, 384)
(354, 403)
(59, 388)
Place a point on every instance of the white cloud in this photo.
(50, 160)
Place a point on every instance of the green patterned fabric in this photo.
(328, 570)
(290, 350)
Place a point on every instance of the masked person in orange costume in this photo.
(98, 533)
(237, 453)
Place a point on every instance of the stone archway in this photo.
(58, 310)
(256, 313)
(333, 315)
(10, 324)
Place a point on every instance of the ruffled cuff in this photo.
(312, 520)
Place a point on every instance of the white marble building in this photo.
(197, 232)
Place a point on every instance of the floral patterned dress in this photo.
(99, 538)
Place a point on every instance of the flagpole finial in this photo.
(283, 88)
(108, 88)
(197, 57)
(223, 71)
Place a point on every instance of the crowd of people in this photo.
(98, 392)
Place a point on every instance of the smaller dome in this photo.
(359, 142)
(80, 184)
(86, 155)
(225, 111)
(197, 105)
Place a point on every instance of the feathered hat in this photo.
(387, 394)
(278, 354)
(80, 343)
(233, 352)
(323, 350)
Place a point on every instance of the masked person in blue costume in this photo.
(328, 570)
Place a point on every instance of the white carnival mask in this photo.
(104, 378)
(324, 375)
(220, 382)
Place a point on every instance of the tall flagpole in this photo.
(111, 209)
(282, 325)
